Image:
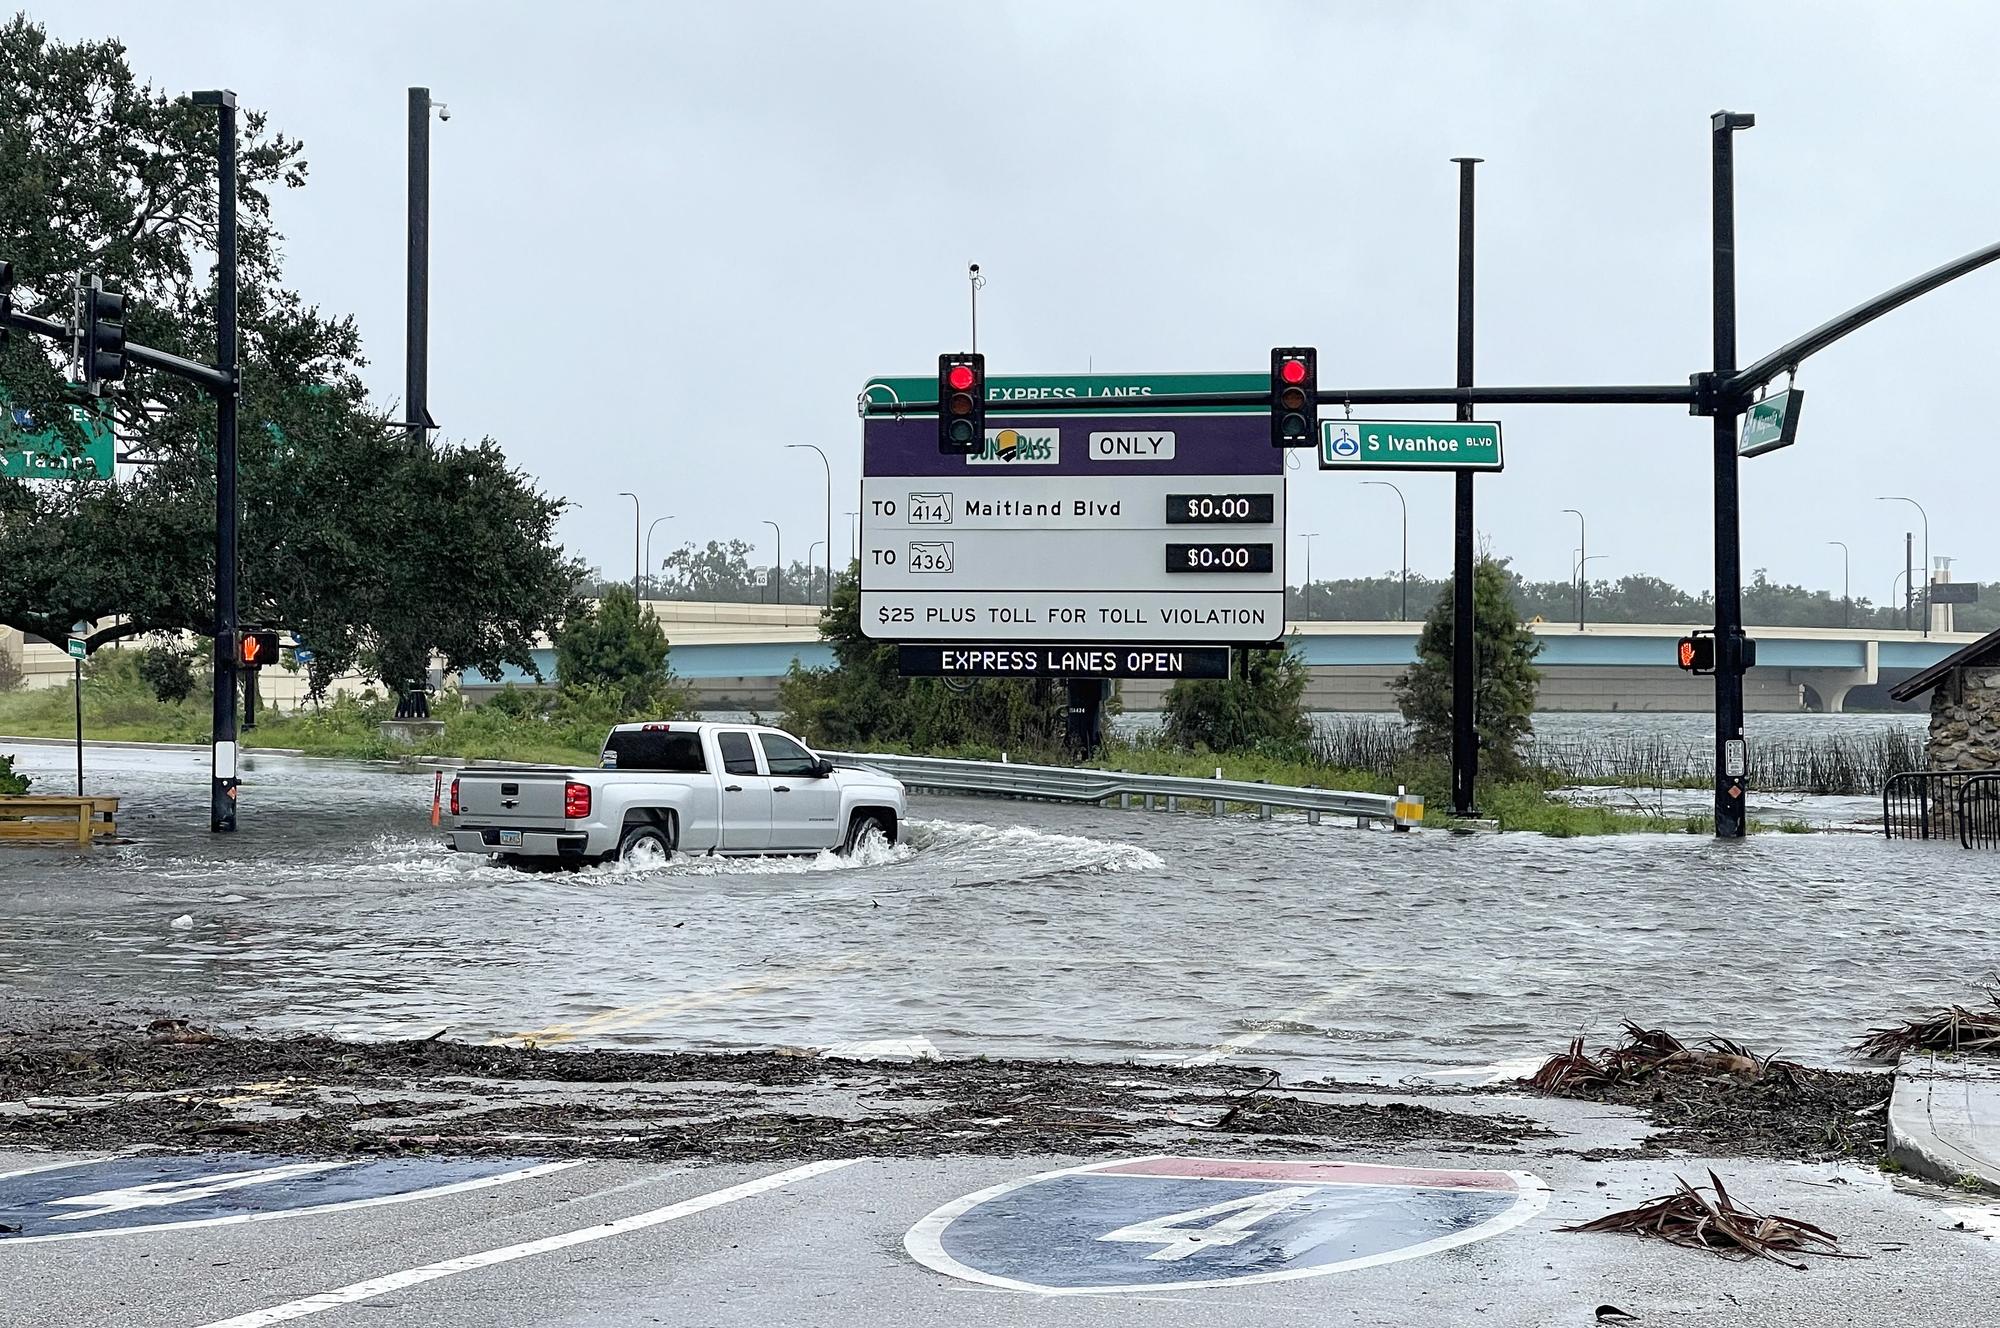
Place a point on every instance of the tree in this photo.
(377, 550)
(863, 699)
(169, 670)
(612, 650)
(718, 572)
(1261, 705)
(1505, 678)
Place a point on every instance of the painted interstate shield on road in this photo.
(1176, 1222)
(121, 1195)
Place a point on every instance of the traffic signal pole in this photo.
(1731, 761)
(1464, 638)
(222, 771)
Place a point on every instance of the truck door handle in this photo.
(732, 788)
(781, 789)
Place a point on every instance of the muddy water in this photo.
(998, 928)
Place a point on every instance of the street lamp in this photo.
(1581, 563)
(1309, 572)
(649, 544)
(778, 569)
(815, 547)
(854, 536)
(635, 544)
(1384, 484)
(1846, 600)
(829, 519)
(1909, 589)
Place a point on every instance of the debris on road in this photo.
(1953, 1028)
(1706, 1218)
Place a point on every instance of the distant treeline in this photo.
(1631, 599)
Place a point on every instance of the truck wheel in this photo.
(864, 826)
(644, 847)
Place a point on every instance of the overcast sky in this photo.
(645, 213)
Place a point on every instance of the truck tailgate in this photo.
(511, 797)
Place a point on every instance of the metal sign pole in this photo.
(1464, 645)
(1731, 761)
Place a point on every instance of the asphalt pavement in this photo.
(604, 1243)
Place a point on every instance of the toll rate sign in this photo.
(1074, 529)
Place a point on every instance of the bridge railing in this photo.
(1978, 811)
(1925, 804)
(1051, 783)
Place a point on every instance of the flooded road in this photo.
(996, 928)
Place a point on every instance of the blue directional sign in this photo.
(1161, 1223)
(121, 1195)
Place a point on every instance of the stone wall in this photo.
(1965, 720)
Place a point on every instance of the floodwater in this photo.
(996, 928)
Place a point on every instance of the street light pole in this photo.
(778, 569)
(1582, 567)
(417, 330)
(1309, 573)
(635, 544)
(1846, 600)
(1911, 589)
(649, 544)
(828, 465)
(853, 536)
(1385, 484)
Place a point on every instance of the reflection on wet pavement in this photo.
(997, 928)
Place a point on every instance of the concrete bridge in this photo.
(734, 655)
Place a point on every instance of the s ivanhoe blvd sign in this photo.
(1771, 423)
(1408, 445)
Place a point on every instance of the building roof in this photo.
(1985, 650)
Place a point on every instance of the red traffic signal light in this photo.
(962, 404)
(257, 647)
(1294, 396)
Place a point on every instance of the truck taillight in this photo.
(454, 797)
(576, 800)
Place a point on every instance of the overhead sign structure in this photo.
(1408, 445)
(1175, 1223)
(1771, 423)
(1128, 528)
(1954, 592)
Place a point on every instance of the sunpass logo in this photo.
(1019, 447)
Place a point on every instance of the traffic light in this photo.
(961, 404)
(103, 337)
(257, 646)
(1294, 396)
(1697, 652)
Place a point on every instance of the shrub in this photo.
(1263, 706)
(9, 781)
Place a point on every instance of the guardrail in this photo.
(1054, 783)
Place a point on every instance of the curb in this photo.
(1944, 1121)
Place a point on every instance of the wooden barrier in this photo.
(32, 818)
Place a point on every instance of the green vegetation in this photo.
(1505, 678)
(614, 652)
(1258, 707)
(9, 781)
(861, 701)
(377, 548)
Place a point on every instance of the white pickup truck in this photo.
(667, 788)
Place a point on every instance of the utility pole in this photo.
(222, 783)
(1731, 757)
(417, 329)
(1464, 736)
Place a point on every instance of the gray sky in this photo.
(1149, 187)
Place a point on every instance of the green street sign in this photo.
(1016, 395)
(28, 453)
(1771, 423)
(1408, 445)
(78, 649)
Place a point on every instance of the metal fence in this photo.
(1925, 804)
(1051, 783)
(1979, 811)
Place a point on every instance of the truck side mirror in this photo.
(823, 769)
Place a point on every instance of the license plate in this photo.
(510, 837)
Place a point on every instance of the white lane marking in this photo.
(58, 1166)
(360, 1291)
(165, 1193)
(1230, 1046)
(340, 1206)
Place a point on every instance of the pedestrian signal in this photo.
(257, 647)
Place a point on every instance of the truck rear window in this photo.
(675, 753)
